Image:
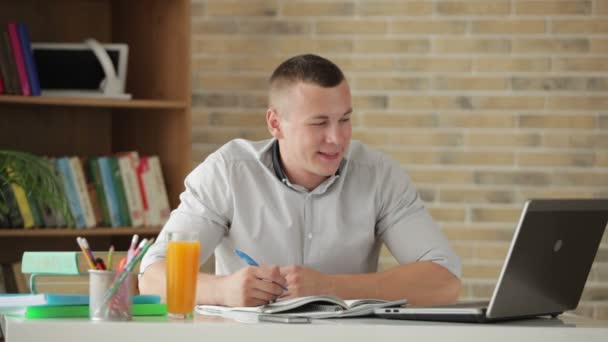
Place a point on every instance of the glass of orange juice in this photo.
(183, 251)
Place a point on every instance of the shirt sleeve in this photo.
(205, 207)
(406, 227)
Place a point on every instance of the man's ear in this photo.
(274, 123)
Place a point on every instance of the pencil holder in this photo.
(110, 296)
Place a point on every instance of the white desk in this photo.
(207, 329)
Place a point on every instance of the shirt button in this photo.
(310, 236)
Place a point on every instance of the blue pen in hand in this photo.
(246, 258)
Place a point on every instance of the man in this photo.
(310, 206)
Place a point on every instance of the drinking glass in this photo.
(183, 250)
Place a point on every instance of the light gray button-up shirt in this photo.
(235, 200)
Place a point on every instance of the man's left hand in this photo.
(305, 281)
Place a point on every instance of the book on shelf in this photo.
(14, 216)
(154, 195)
(58, 216)
(160, 189)
(48, 216)
(7, 64)
(93, 178)
(23, 206)
(119, 187)
(91, 189)
(145, 181)
(109, 190)
(82, 191)
(69, 189)
(322, 306)
(127, 162)
(28, 58)
(13, 34)
(35, 207)
(1, 82)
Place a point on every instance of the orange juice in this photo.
(182, 270)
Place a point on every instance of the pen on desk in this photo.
(249, 260)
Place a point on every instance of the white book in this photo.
(127, 163)
(323, 306)
(82, 191)
(160, 191)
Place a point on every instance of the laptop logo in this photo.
(557, 246)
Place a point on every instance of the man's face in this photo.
(314, 130)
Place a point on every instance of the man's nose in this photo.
(333, 134)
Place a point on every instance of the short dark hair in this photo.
(308, 68)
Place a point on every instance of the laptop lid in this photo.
(550, 257)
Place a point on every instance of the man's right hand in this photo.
(252, 286)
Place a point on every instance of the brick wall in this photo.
(485, 103)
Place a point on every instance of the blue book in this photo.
(69, 187)
(28, 58)
(108, 186)
(30, 299)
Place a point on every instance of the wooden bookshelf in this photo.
(91, 102)
(155, 122)
(73, 233)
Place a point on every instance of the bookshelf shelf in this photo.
(92, 102)
(70, 232)
(155, 122)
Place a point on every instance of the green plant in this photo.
(37, 177)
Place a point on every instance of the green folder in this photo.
(59, 311)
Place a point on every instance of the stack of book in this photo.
(18, 73)
(50, 305)
(59, 284)
(111, 191)
(61, 272)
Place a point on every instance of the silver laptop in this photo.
(545, 270)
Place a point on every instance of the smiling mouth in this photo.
(328, 155)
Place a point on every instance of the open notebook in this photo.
(325, 306)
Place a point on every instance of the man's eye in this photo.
(318, 123)
(345, 119)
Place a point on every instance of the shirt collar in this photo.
(280, 173)
(276, 162)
